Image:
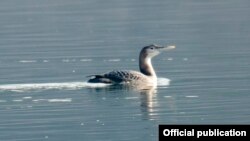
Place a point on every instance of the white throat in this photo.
(146, 66)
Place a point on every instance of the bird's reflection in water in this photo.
(149, 103)
(147, 97)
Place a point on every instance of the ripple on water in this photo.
(60, 100)
(86, 60)
(163, 81)
(53, 100)
(191, 96)
(49, 86)
(27, 61)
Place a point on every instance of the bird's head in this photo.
(153, 50)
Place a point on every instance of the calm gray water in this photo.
(48, 47)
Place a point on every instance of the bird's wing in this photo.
(117, 76)
(123, 75)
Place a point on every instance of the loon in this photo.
(146, 76)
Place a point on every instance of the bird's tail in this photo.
(99, 79)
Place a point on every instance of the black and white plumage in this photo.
(146, 76)
(118, 76)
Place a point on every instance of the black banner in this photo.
(201, 132)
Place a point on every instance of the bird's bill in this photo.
(165, 48)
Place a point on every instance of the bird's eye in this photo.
(151, 48)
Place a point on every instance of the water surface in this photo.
(47, 48)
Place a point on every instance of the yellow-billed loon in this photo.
(146, 76)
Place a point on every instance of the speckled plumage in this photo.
(125, 75)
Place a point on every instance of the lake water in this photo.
(47, 48)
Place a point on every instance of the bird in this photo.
(147, 75)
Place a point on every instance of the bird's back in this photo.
(121, 76)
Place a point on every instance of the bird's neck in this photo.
(146, 66)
